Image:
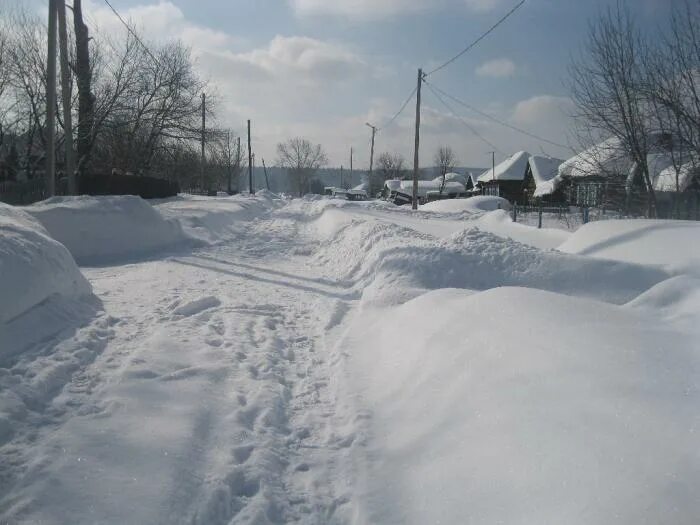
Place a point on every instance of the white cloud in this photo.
(535, 110)
(162, 21)
(498, 68)
(375, 9)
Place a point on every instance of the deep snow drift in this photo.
(673, 244)
(33, 266)
(105, 229)
(324, 361)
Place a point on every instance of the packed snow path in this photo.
(210, 400)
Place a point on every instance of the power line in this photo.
(403, 106)
(133, 33)
(471, 128)
(475, 42)
(497, 121)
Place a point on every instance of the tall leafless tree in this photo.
(446, 160)
(390, 165)
(608, 88)
(301, 158)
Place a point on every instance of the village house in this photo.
(521, 178)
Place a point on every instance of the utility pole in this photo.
(341, 175)
(204, 126)
(51, 102)
(371, 158)
(267, 181)
(250, 164)
(238, 164)
(493, 165)
(228, 154)
(66, 98)
(415, 151)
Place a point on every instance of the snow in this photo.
(472, 204)
(670, 244)
(500, 223)
(544, 171)
(99, 229)
(317, 360)
(526, 416)
(425, 186)
(513, 168)
(33, 267)
(606, 157)
(666, 178)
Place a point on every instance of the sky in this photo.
(320, 69)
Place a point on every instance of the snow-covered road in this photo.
(210, 399)
(263, 360)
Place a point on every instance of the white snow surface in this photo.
(513, 168)
(33, 266)
(671, 244)
(475, 204)
(102, 229)
(323, 361)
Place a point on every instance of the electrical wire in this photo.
(494, 119)
(475, 42)
(471, 128)
(133, 33)
(403, 106)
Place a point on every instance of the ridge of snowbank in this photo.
(543, 421)
(390, 262)
(671, 244)
(33, 266)
(477, 204)
(103, 229)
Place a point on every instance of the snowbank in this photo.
(217, 219)
(33, 266)
(672, 244)
(477, 204)
(523, 406)
(500, 223)
(391, 263)
(104, 229)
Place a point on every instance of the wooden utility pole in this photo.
(66, 98)
(414, 205)
(341, 175)
(83, 80)
(204, 126)
(228, 154)
(250, 164)
(371, 158)
(493, 165)
(267, 181)
(51, 102)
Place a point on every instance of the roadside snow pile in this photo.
(522, 406)
(99, 230)
(672, 244)
(33, 266)
(478, 204)
(391, 263)
(217, 219)
(500, 223)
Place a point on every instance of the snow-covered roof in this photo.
(425, 186)
(513, 168)
(607, 157)
(544, 171)
(666, 178)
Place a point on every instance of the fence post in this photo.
(539, 217)
(515, 212)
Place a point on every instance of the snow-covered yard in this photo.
(262, 360)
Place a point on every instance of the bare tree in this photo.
(301, 158)
(446, 160)
(673, 88)
(390, 165)
(607, 86)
